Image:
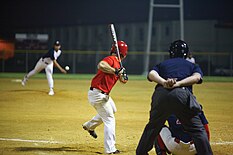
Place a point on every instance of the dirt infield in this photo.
(32, 122)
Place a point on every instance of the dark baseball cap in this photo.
(57, 43)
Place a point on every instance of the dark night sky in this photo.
(46, 13)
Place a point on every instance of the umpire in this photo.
(173, 95)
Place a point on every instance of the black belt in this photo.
(91, 88)
(45, 62)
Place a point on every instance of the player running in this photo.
(174, 139)
(46, 62)
(109, 72)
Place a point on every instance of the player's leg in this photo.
(49, 75)
(103, 106)
(96, 120)
(167, 139)
(93, 123)
(174, 146)
(160, 147)
(187, 112)
(196, 129)
(94, 97)
(106, 112)
(110, 100)
(38, 68)
(158, 115)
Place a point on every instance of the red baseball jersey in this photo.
(104, 81)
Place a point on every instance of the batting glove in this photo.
(119, 71)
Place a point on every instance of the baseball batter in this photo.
(174, 139)
(173, 95)
(46, 62)
(109, 72)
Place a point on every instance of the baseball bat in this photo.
(114, 39)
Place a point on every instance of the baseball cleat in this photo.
(24, 81)
(115, 152)
(91, 132)
(51, 92)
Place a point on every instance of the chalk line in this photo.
(16, 80)
(30, 141)
(57, 142)
(221, 143)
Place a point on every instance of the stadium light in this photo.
(152, 5)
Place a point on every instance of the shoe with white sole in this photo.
(91, 132)
(51, 92)
(115, 152)
(24, 81)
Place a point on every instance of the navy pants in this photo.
(182, 103)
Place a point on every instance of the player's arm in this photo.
(59, 67)
(193, 79)
(155, 77)
(106, 68)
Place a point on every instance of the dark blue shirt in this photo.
(177, 68)
(49, 54)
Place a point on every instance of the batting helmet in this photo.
(179, 48)
(123, 48)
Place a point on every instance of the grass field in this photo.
(32, 122)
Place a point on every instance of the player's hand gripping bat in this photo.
(114, 39)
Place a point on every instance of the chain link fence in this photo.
(212, 64)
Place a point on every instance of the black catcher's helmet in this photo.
(179, 48)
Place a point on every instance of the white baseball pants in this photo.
(180, 148)
(40, 65)
(105, 108)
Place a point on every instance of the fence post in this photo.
(26, 61)
(74, 63)
(209, 65)
(231, 64)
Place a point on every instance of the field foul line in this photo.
(30, 141)
(56, 142)
(221, 143)
(16, 80)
